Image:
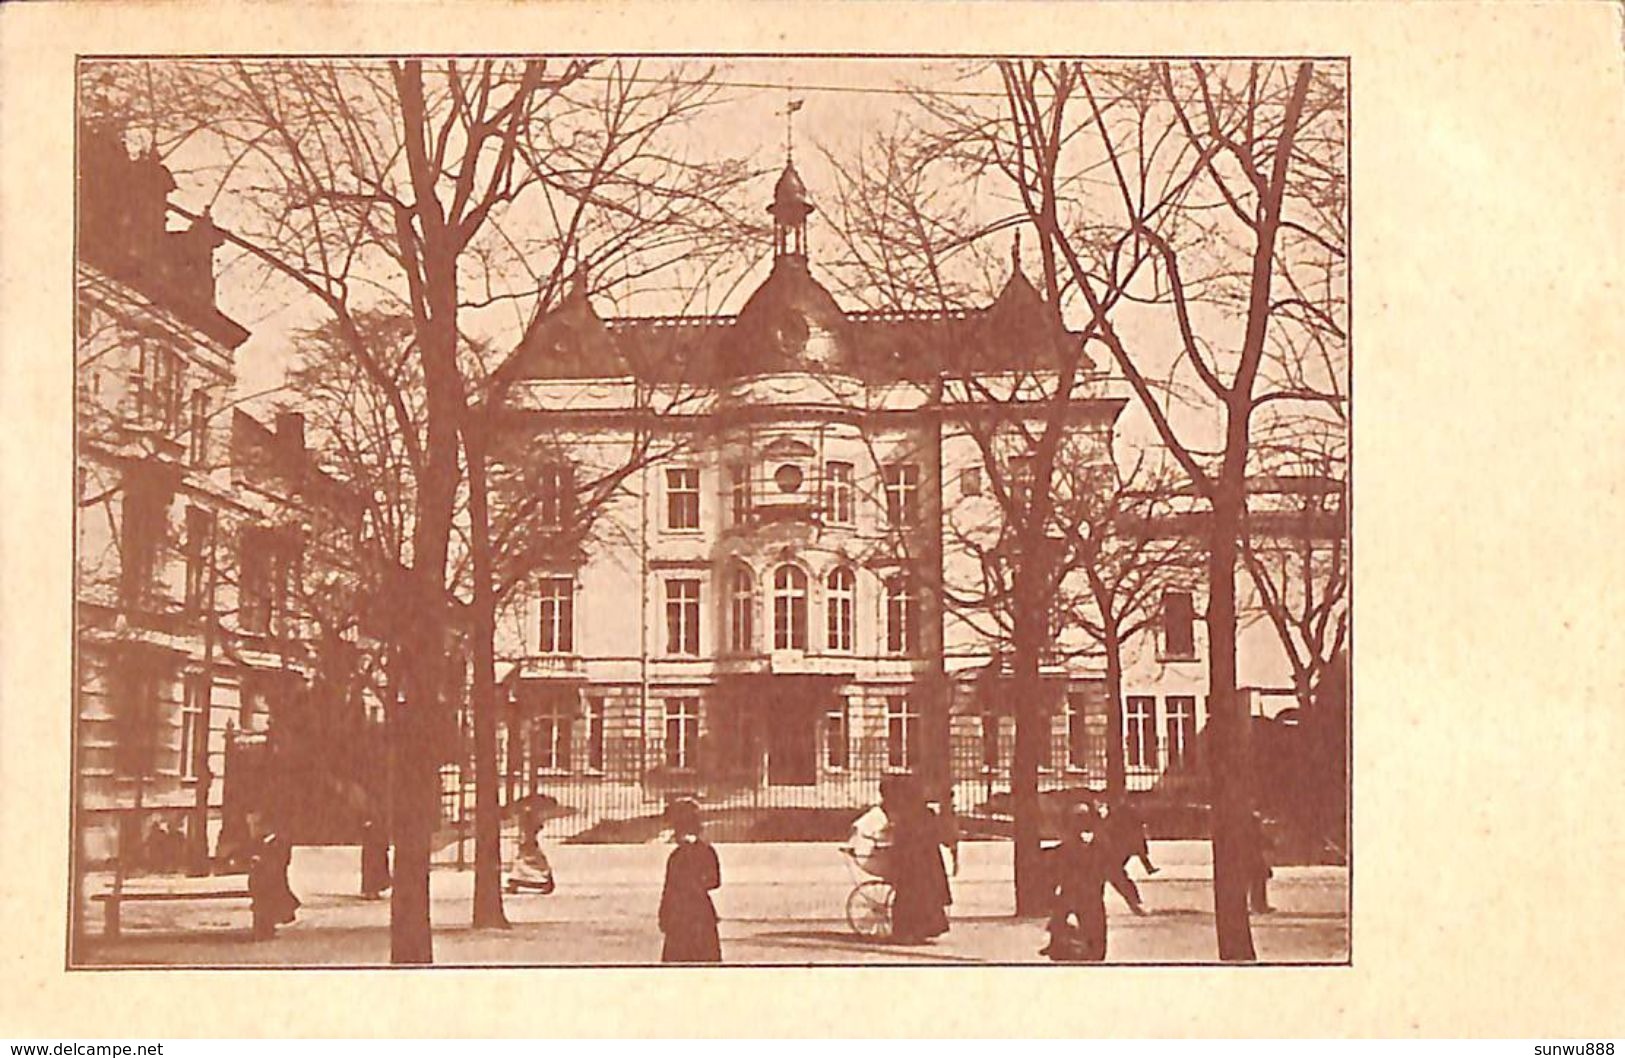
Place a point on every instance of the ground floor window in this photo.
(1077, 733)
(836, 739)
(1140, 731)
(595, 734)
(902, 733)
(990, 740)
(195, 726)
(682, 732)
(1181, 728)
(550, 737)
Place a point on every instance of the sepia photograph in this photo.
(750, 509)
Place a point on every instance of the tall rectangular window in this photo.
(146, 516)
(741, 611)
(1178, 625)
(135, 718)
(194, 726)
(789, 608)
(254, 580)
(555, 494)
(836, 738)
(902, 631)
(199, 527)
(838, 505)
(682, 498)
(1077, 734)
(1140, 731)
(902, 481)
(558, 615)
(1020, 480)
(682, 616)
(970, 481)
(551, 736)
(990, 740)
(902, 734)
(1180, 725)
(198, 446)
(841, 606)
(595, 734)
(739, 493)
(158, 388)
(682, 732)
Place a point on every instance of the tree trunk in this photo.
(1031, 883)
(1116, 770)
(1228, 765)
(488, 912)
(417, 770)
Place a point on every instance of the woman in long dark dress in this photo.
(270, 897)
(920, 907)
(374, 860)
(687, 916)
(1077, 924)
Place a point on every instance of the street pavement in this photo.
(779, 904)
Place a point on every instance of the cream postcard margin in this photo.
(1489, 470)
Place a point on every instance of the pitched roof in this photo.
(792, 323)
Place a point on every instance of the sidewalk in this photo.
(779, 904)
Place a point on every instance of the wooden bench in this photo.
(111, 902)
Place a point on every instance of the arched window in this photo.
(789, 609)
(902, 634)
(842, 605)
(742, 636)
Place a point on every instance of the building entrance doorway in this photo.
(792, 745)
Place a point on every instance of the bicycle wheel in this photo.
(868, 909)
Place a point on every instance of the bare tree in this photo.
(421, 190)
(1198, 210)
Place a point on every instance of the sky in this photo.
(842, 102)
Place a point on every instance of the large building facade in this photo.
(788, 508)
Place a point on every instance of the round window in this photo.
(788, 477)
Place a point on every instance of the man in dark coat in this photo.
(1077, 924)
(920, 907)
(687, 916)
(1122, 838)
(269, 894)
(1255, 848)
(374, 860)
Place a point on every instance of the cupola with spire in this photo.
(790, 210)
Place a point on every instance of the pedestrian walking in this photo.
(1080, 864)
(947, 825)
(687, 916)
(270, 895)
(1255, 849)
(1118, 846)
(920, 907)
(375, 876)
(531, 869)
(1132, 827)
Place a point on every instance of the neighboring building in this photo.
(1299, 532)
(217, 591)
(313, 677)
(154, 365)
